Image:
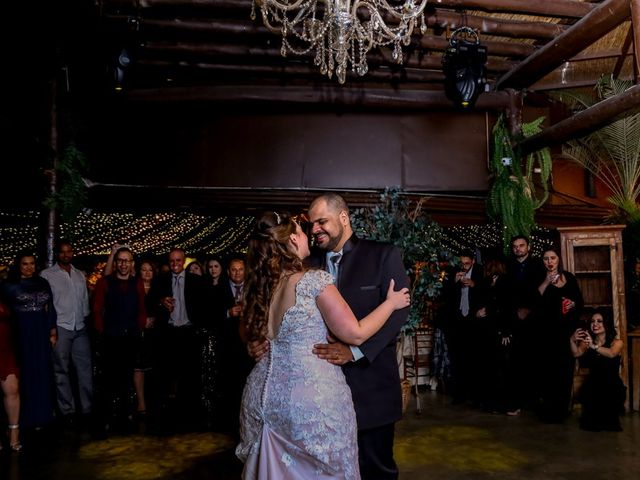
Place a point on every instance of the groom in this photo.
(362, 270)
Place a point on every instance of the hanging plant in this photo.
(513, 198)
(71, 195)
(397, 221)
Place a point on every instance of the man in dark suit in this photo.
(181, 298)
(363, 270)
(234, 364)
(463, 297)
(524, 274)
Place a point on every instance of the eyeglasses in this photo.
(123, 260)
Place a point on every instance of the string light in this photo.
(489, 237)
(155, 234)
(18, 232)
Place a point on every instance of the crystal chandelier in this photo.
(340, 33)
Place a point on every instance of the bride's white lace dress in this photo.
(297, 418)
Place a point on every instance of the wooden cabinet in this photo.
(594, 256)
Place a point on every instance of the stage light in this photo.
(122, 63)
(464, 68)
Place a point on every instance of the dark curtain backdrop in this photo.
(431, 151)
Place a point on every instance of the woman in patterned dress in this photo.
(29, 297)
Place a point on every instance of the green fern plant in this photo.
(513, 198)
(612, 153)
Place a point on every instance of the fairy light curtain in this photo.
(154, 233)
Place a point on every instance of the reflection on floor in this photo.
(445, 442)
(463, 449)
(147, 457)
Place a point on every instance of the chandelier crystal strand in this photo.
(340, 33)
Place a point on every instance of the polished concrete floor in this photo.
(457, 442)
(443, 442)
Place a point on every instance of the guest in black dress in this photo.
(29, 298)
(602, 394)
(214, 277)
(493, 337)
(556, 320)
(145, 359)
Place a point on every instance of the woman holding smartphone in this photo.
(602, 394)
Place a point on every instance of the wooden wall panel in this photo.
(354, 151)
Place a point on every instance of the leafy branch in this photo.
(397, 221)
(71, 195)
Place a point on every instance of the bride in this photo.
(297, 417)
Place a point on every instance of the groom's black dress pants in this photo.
(375, 449)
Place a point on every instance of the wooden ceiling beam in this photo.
(357, 97)
(635, 30)
(492, 26)
(442, 18)
(626, 47)
(501, 49)
(378, 74)
(201, 52)
(182, 5)
(586, 81)
(603, 54)
(556, 8)
(604, 18)
(584, 122)
(253, 30)
(199, 26)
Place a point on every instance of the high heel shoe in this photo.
(14, 445)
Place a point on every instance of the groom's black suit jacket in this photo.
(363, 279)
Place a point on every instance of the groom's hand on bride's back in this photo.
(334, 352)
(258, 349)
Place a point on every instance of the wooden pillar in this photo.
(635, 23)
(53, 177)
(514, 112)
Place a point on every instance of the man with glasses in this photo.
(119, 315)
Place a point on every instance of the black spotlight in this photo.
(464, 68)
(122, 62)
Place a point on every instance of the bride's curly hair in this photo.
(267, 258)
